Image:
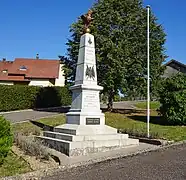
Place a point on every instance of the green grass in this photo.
(27, 128)
(128, 124)
(13, 165)
(143, 105)
(134, 124)
(54, 121)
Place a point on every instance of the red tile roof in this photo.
(35, 68)
(4, 65)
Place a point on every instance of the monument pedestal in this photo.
(85, 130)
(75, 140)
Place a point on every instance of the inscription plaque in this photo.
(92, 121)
(90, 55)
(91, 100)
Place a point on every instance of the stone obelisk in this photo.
(85, 130)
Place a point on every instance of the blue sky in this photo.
(42, 26)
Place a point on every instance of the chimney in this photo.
(37, 56)
(4, 59)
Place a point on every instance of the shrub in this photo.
(5, 138)
(17, 97)
(173, 100)
(53, 97)
(31, 146)
(29, 97)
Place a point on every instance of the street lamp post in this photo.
(148, 72)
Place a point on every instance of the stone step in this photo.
(74, 129)
(69, 137)
(69, 131)
(85, 147)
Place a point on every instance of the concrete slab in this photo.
(74, 161)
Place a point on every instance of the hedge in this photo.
(29, 97)
(6, 139)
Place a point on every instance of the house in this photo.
(32, 72)
(173, 67)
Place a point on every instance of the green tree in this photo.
(119, 28)
(172, 99)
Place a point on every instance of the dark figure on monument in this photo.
(87, 19)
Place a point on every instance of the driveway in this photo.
(15, 117)
(169, 164)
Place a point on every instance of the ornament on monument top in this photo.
(87, 19)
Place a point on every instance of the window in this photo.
(23, 68)
(4, 71)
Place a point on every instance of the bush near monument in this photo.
(28, 97)
(6, 139)
(31, 146)
(173, 100)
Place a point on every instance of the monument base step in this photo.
(75, 129)
(69, 137)
(76, 148)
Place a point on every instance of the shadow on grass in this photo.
(123, 111)
(64, 109)
(43, 126)
(153, 119)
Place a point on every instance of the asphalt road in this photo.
(15, 117)
(169, 164)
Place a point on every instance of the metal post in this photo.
(148, 73)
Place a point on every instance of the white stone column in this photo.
(85, 108)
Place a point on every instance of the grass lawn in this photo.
(143, 105)
(13, 165)
(133, 124)
(55, 121)
(27, 128)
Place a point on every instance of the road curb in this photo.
(36, 175)
(157, 142)
(50, 108)
(35, 109)
(16, 111)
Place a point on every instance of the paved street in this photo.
(169, 164)
(15, 117)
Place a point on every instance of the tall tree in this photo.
(119, 28)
